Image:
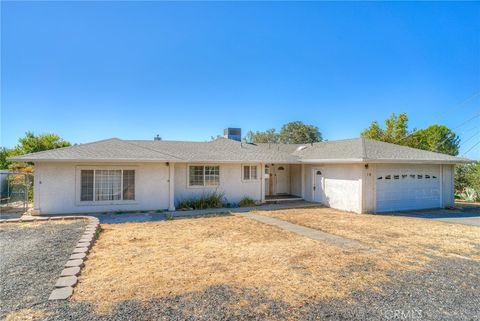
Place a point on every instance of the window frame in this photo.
(204, 180)
(250, 179)
(78, 183)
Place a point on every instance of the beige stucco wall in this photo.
(342, 185)
(231, 185)
(448, 187)
(296, 180)
(56, 188)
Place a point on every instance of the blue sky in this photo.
(94, 70)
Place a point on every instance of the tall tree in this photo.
(396, 129)
(435, 138)
(296, 132)
(5, 153)
(32, 143)
(268, 136)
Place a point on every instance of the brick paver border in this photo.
(68, 277)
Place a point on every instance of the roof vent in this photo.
(233, 133)
(157, 137)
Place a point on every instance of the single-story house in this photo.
(358, 175)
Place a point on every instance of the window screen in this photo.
(204, 175)
(246, 173)
(129, 185)
(253, 172)
(108, 185)
(212, 175)
(196, 176)
(250, 172)
(86, 185)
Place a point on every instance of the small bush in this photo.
(469, 195)
(246, 202)
(210, 200)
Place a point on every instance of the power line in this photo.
(462, 104)
(469, 139)
(461, 143)
(456, 127)
(471, 148)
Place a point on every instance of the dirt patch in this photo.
(141, 261)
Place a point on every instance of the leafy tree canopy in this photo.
(468, 177)
(435, 138)
(295, 132)
(268, 136)
(31, 143)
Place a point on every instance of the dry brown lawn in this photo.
(396, 237)
(142, 261)
(27, 315)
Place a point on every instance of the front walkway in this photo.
(344, 243)
(113, 218)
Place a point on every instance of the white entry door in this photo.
(407, 187)
(317, 185)
(282, 179)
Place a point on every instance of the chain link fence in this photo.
(16, 193)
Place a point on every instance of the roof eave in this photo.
(100, 160)
(380, 161)
(333, 161)
(418, 161)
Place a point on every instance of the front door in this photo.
(317, 185)
(281, 179)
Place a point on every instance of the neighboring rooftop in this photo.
(227, 150)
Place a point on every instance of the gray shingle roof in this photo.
(225, 150)
(104, 150)
(364, 149)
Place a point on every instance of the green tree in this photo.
(5, 153)
(32, 143)
(468, 177)
(435, 138)
(297, 132)
(396, 129)
(268, 136)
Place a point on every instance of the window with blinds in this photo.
(107, 185)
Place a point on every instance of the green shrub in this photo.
(246, 202)
(209, 200)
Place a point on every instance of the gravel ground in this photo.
(32, 257)
(448, 290)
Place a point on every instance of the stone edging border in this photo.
(68, 278)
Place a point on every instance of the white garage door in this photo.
(407, 187)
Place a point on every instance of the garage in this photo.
(407, 187)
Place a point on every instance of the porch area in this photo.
(282, 198)
(283, 183)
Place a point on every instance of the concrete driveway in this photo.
(467, 214)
